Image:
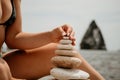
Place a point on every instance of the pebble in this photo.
(65, 41)
(65, 47)
(65, 38)
(66, 62)
(67, 74)
(66, 52)
(48, 77)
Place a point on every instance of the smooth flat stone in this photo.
(49, 77)
(66, 74)
(66, 52)
(65, 41)
(65, 38)
(66, 62)
(65, 47)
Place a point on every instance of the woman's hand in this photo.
(59, 32)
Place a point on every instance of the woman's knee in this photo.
(2, 65)
(1, 68)
(4, 72)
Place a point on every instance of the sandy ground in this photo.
(107, 63)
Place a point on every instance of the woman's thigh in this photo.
(31, 64)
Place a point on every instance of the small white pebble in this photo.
(66, 38)
(49, 77)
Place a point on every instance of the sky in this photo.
(44, 15)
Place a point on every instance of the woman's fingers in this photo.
(67, 29)
(69, 32)
(72, 37)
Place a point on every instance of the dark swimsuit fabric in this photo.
(12, 17)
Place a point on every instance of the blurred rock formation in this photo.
(93, 38)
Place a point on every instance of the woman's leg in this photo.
(32, 64)
(94, 75)
(5, 73)
(4, 70)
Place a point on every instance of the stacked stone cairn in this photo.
(66, 64)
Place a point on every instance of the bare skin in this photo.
(31, 60)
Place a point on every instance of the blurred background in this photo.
(44, 15)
